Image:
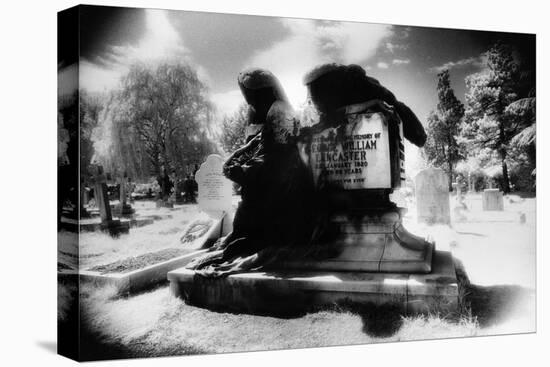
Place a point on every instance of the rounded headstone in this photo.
(214, 188)
(432, 196)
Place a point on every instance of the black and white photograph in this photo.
(238, 183)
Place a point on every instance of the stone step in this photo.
(289, 291)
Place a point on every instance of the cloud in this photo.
(161, 41)
(311, 43)
(227, 102)
(400, 61)
(382, 65)
(308, 44)
(392, 47)
(476, 62)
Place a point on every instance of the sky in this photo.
(404, 59)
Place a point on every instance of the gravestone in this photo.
(492, 200)
(108, 224)
(455, 187)
(84, 213)
(214, 189)
(85, 195)
(432, 196)
(460, 207)
(124, 209)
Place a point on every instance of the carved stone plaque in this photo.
(356, 157)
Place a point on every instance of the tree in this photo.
(161, 118)
(523, 113)
(442, 146)
(489, 93)
(90, 109)
(234, 129)
(67, 151)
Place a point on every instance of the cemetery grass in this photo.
(119, 327)
(98, 249)
(496, 258)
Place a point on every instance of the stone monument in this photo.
(84, 199)
(356, 157)
(123, 209)
(214, 189)
(432, 196)
(492, 200)
(108, 224)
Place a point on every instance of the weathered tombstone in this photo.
(432, 196)
(124, 209)
(85, 195)
(460, 207)
(214, 197)
(108, 224)
(456, 187)
(84, 213)
(102, 197)
(492, 200)
(214, 189)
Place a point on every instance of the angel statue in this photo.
(275, 214)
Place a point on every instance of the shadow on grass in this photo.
(491, 305)
(79, 339)
(379, 321)
(96, 346)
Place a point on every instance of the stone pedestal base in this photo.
(288, 292)
(372, 243)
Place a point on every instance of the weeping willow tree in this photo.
(159, 121)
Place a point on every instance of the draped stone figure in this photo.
(275, 214)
